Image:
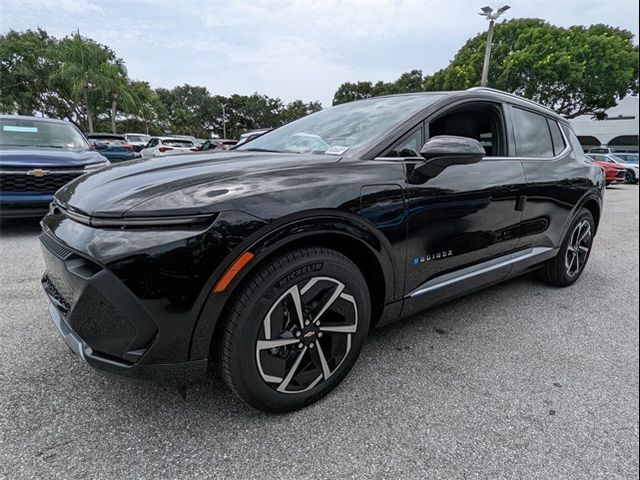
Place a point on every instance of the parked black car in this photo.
(271, 262)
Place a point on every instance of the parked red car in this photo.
(615, 173)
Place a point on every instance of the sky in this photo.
(289, 49)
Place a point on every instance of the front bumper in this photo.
(101, 321)
(180, 373)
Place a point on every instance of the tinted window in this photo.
(574, 143)
(556, 136)
(409, 147)
(533, 138)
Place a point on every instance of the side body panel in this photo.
(463, 216)
(556, 189)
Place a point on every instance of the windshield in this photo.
(17, 132)
(339, 129)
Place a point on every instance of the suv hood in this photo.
(26, 157)
(181, 184)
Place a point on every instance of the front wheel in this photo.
(295, 329)
(568, 265)
(629, 177)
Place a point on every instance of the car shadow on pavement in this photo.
(418, 339)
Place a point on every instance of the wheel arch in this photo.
(346, 233)
(593, 206)
(592, 201)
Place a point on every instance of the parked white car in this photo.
(161, 146)
(632, 173)
(137, 140)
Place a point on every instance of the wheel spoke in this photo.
(323, 361)
(586, 232)
(297, 302)
(265, 344)
(285, 383)
(334, 296)
(584, 249)
(577, 257)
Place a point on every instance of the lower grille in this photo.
(621, 174)
(23, 183)
(62, 303)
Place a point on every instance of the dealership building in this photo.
(619, 130)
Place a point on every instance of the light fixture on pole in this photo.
(491, 16)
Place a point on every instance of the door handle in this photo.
(521, 202)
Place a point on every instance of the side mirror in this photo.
(100, 145)
(446, 150)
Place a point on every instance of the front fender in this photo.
(297, 229)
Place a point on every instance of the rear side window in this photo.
(533, 138)
(556, 137)
(575, 143)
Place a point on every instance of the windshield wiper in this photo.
(49, 146)
(261, 150)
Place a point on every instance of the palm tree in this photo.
(93, 74)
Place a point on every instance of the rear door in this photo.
(556, 176)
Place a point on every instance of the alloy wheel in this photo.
(578, 248)
(306, 335)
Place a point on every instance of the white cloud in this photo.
(288, 48)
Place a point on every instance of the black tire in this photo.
(564, 269)
(629, 177)
(256, 372)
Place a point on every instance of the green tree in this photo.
(407, 82)
(25, 66)
(575, 71)
(187, 109)
(348, 92)
(146, 107)
(298, 109)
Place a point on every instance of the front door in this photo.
(463, 221)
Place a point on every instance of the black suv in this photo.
(271, 262)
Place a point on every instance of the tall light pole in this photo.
(491, 16)
(224, 121)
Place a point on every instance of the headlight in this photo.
(95, 166)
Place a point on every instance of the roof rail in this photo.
(513, 95)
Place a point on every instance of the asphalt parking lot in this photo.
(518, 381)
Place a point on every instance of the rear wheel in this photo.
(295, 330)
(568, 265)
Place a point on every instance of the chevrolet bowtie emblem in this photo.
(38, 172)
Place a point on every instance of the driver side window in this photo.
(481, 121)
